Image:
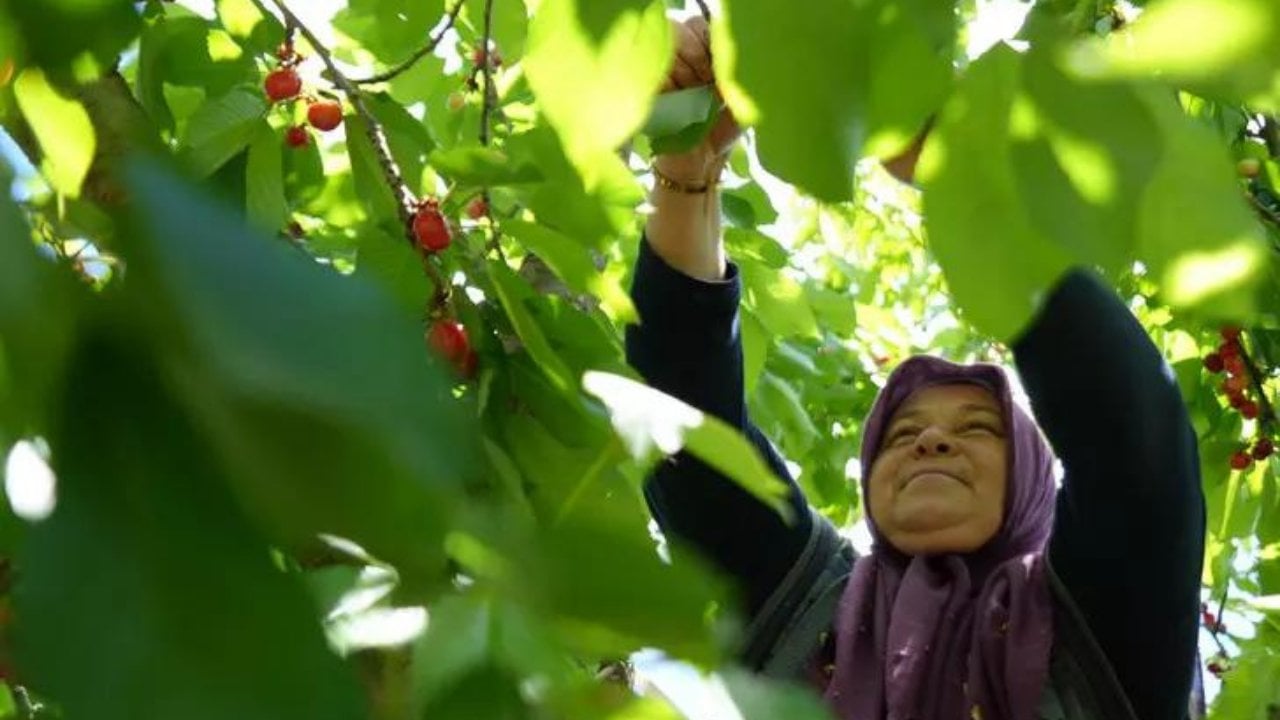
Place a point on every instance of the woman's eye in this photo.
(902, 434)
(982, 426)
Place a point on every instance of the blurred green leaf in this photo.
(998, 273)
(390, 29)
(482, 167)
(63, 128)
(317, 389)
(214, 628)
(1224, 49)
(760, 699)
(390, 262)
(80, 38)
(778, 299)
(595, 66)
(265, 203)
(37, 324)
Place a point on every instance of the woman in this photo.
(988, 594)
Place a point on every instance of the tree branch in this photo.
(1266, 413)
(405, 201)
(486, 115)
(434, 41)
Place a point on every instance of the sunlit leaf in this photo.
(63, 128)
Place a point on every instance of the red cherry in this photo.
(1236, 400)
(1228, 349)
(1213, 362)
(282, 84)
(1216, 668)
(1240, 460)
(430, 228)
(324, 115)
(297, 136)
(1234, 385)
(1234, 365)
(1209, 620)
(1249, 409)
(469, 365)
(1230, 333)
(448, 339)
(1263, 449)
(477, 208)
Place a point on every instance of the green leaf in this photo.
(595, 66)
(882, 75)
(510, 25)
(265, 203)
(1252, 689)
(677, 110)
(246, 21)
(513, 292)
(389, 29)
(213, 626)
(1194, 229)
(1223, 49)
(63, 128)
(780, 402)
(649, 422)
(589, 215)
(760, 699)
(221, 129)
(457, 641)
(748, 206)
(376, 199)
(572, 262)
(1084, 155)
(1000, 272)
(393, 264)
(80, 38)
(408, 139)
(482, 167)
(778, 300)
(37, 312)
(681, 119)
(316, 388)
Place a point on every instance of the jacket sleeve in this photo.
(1128, 538)
(688, 345)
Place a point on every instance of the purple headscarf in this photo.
(951, 636)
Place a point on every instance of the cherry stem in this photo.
(1267, 414)
(706, 11)
(406, 206)
(432, 43)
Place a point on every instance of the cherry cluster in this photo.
(284, 84)
(1229, 359)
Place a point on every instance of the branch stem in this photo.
(432, 43)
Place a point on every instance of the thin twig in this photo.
(404, 198)
(486, 70)
(434, 41)
(706, 11)
(486, 116)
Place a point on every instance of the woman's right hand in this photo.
(691, 68)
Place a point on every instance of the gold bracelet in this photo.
(667, 183)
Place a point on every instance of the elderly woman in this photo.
(989, 594)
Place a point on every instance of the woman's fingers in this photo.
(691, 47)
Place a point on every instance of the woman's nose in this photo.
(932, 441)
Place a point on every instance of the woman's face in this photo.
(938, 483)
